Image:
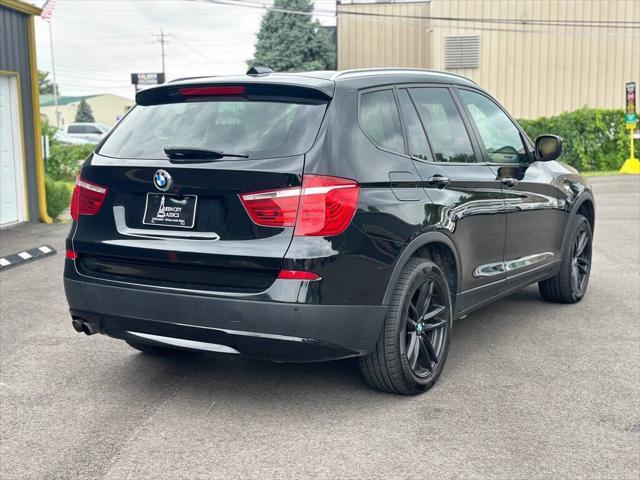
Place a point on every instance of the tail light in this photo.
(87, 198)
(323, 206)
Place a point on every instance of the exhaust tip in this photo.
(76, 323)
(81, 326)
(88, 329)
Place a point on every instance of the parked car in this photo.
(88, 132)
(322, 215)
(67, 139)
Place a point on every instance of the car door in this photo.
(531, 245)
(466, 197)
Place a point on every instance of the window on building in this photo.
(444, 126)
(461, 51)
(380, 120)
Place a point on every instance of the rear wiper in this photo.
(197, 155)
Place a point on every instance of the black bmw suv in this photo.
(320, 215)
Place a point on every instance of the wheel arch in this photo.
(585, 206)
(421, 246)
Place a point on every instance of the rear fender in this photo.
(419, 242)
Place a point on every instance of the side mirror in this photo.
(548, 147)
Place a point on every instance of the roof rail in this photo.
(340, 73)
(259, 69)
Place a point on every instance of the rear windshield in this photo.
(260, 129)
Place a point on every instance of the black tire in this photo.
(413, 346)
(570, 284)
(151, 349)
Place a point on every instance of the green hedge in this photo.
(594, 139)
(64, 160)
(58, 196)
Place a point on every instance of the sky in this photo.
(99, 43)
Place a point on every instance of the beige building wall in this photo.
(106, 109)
(371, 41)
(532, 70)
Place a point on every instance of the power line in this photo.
(320, 12)
(509, 21)
(200, 54)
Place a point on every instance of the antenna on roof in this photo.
(259, 69)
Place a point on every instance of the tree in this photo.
(46, 85)
(288, 41)
(84, 113)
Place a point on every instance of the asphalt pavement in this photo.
(530, 390)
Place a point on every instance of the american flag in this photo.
(47, 10)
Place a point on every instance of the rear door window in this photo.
(444, 126)
(418, 144)
(380, 120)
(259, 128)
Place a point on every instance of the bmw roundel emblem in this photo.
(162, 180)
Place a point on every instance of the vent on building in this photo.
(461, 51)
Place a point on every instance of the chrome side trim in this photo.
(123, 229)
(497, 268)
(180, 342)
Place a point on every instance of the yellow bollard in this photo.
(631, 164)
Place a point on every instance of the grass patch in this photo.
(603, 173)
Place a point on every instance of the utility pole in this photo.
(163, 39)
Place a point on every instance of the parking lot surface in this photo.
(530, 389)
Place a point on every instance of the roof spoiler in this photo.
(198, 91)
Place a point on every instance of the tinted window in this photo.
(258, 128)
(380, 120)
(500, 136)
(446, 131)
(418, 145)
(75, 129)
(94, 130)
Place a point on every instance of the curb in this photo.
(25, 256)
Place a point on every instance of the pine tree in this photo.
(288, 41)
(46, 85)
(84, 114)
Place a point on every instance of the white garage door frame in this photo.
(15, 106)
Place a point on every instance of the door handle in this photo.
(438, 181)
(509, 182)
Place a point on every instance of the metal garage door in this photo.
(11, 171)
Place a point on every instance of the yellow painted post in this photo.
(631, 164)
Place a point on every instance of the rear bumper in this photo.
(287, 332)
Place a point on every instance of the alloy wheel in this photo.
(581, 262)
(426, 328)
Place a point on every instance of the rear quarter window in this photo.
(380, 120)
